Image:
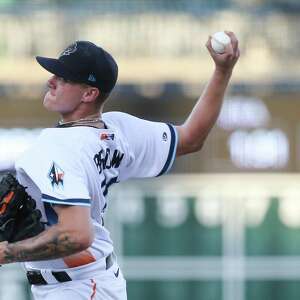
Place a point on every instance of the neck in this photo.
(80, 118)
(91, 120)
(81, 114)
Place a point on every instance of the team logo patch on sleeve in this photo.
(56, 175)
(107, 136)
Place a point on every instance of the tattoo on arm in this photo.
(50, 244)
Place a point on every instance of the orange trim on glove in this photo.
(6, 201)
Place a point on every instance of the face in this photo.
(63, 96)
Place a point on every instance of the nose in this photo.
(52, 82)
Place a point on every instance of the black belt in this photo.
(36, 277)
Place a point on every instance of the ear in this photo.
(90, 94)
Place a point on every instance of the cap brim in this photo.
(53, 66)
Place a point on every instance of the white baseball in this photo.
(219, 40)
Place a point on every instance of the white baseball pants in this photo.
(106, 285)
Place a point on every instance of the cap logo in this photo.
(92, 78)
(71, 49)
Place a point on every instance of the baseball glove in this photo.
(19, 218)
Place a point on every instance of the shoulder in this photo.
(118, 117)
(126, 122)
(69, 140)
(64, 146)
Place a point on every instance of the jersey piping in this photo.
(172, 151)
(72, 201)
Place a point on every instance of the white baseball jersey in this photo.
(77, 165)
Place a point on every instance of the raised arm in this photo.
(196, 128)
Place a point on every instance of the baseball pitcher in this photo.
(51, 217)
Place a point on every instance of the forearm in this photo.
(205, 113)
(50, 244)
(207, 109)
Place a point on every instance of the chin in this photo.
(47, 105)
(49, 102)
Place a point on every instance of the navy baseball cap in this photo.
(84, 62)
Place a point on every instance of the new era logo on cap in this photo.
(92, 78)
(84, 62)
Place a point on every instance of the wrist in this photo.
(6, 255)
(221, 71)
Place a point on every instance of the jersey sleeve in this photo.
(151, 145)
(57, 173)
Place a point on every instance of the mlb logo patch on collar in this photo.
(56, 175)
(107, 136)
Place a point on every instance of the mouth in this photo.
(51, 91)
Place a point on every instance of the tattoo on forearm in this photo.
(49, 244)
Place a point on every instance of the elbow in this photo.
(85, 243)
(195, 147)
(86, 240)
(83, 239)
(189, 143)
(189, 148)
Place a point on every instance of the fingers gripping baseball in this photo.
(230, 54)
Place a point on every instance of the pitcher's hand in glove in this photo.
(19, 218)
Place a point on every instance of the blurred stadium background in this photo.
(225, 224)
